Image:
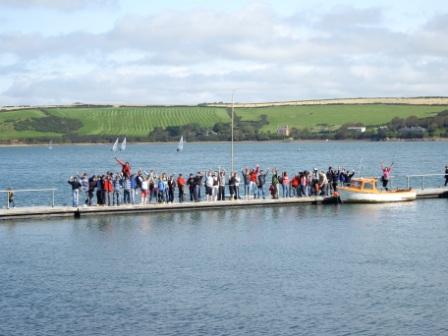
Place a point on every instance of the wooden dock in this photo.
(61, 211)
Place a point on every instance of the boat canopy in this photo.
(363, 183)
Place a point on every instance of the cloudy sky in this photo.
(188, 52)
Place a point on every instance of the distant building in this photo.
(360, 129)
(283, 131)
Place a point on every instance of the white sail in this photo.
(50, 145)
(123, 145)
(115, 147)
(180, 146)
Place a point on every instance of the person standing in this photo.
(171, 188)
(117, 190)
(222, 186)
(144, 190)
(190, 183)
(285, 185)
(92, 186)
(11, 202)
(232, 189)
(215, 187)
(85, 187)
(180, 186)
(245, 173)
(76, 186)
(273, 189)
(295, 183)
(303, 184)
(100, 190)
(197, 184)
(446, 175)
(387, 172)
(333, 178)
(261, 181)
(109, 189)
(127, 185)
(209, 187)
(237, 186)
(161, 189)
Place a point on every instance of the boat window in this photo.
(356, 184)
(368, 186)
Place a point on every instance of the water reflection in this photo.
(341, 268)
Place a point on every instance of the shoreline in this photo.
(4, 145)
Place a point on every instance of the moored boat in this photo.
(364, 190)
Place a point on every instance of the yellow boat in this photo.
(364, 190)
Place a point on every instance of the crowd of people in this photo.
(144, 187)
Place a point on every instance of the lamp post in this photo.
(233, 112)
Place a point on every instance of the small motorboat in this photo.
(364, 190)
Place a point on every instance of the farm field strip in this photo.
(334, 115)
(139, 121)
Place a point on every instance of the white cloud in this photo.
(191, 57)
(65, 5)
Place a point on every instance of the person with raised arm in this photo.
(125, 167)
(76, 186)
(387, 171)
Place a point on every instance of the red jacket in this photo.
(108, 185)
(125, 168)
(253, 176)
(180, 181)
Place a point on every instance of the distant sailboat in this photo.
(180, 146)
(123, 145)
(115, 146)
(50, 145)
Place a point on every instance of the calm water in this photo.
(306, 270)
(310, 270)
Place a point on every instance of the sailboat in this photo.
(50, 145)
(180, 146)
(115, 146)
(123, 145)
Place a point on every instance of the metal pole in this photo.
(409, 182)
(233, 112)
(52, 199)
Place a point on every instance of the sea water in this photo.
(293, 270)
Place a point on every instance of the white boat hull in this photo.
(348, 196)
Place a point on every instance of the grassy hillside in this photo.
(334, 115)
(41, 124)
(139, 121)
(129, 121)
(9, 119)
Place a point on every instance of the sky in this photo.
(191, 52)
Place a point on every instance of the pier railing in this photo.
(417, 181)
(15, 191)
(430, 180)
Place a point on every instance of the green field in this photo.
(129, 121)
(140, 121)
(9, 118)
(312, 116)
